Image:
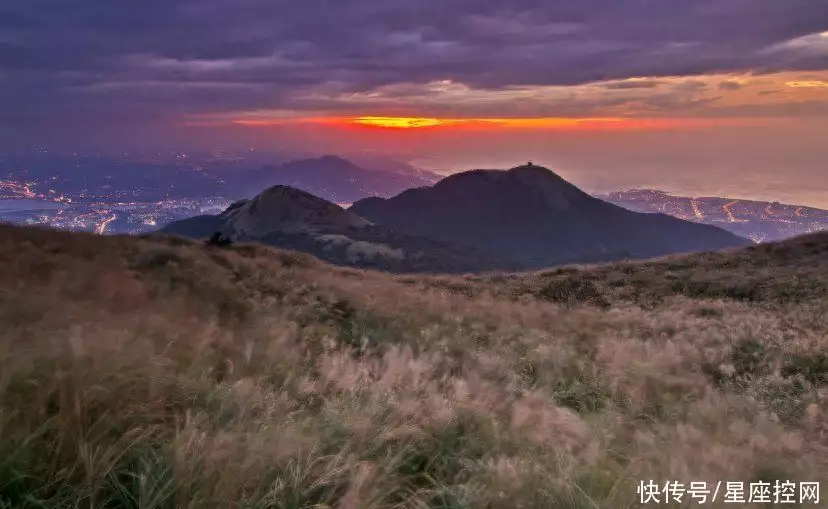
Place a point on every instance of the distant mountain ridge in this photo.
(294, 219)
(480, 220)
(532, 215)
(337, 179)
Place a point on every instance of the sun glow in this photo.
(405, 123)
(419, 122)
(402, 122)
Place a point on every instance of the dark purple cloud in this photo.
(125, 60)
(628, 85)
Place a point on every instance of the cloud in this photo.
(690, 85)
(632, 83)
(123, 60)
(808, 84)
(730, 85)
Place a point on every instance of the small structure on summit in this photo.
(529, 163)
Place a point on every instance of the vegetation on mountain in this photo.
(533, 216)
(290, 218)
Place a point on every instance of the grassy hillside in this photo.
(157, 373)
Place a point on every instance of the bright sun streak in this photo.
(402, 122)
(420, 122)
(415, 123)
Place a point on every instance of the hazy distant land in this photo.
(758, 220)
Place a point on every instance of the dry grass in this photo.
(156, 373)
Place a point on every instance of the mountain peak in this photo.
(294, 219)
(334, 159)
(531, 214)
(285, 208)
(530, 166)
(519, 187)
(533, 169)
(528, 170)
(334, 178)
(288, 191)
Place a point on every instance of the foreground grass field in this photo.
(157, 373)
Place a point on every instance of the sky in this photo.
(698, 96)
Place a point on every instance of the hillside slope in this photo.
(531, 215)
(156, 372)
(294, 219)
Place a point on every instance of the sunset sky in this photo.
(697, 95)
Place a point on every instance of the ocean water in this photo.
(23, 205)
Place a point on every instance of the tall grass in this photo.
(158, 373)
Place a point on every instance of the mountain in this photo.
(294, 219)
(336, 179)
(378, 162)
(761, 221)
(531, 215)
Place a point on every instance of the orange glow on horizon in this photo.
(402, 124)
(415, 123)
(418, 123)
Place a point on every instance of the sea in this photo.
(24, 205)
